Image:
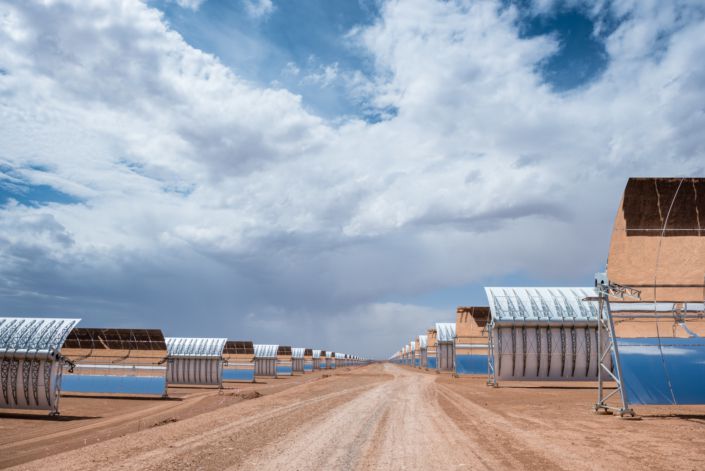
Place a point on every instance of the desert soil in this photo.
(381, 416)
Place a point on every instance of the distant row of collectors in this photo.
(41, 358)
(525, 333)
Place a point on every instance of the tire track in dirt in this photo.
(568, 436)
(218, 439)
(393, 425)
(507, 448)
(331, 441)
(269, 426)
(414, 433)
(72, 428)
(72, 434)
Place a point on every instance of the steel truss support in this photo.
(455, 357)
(607, 347)
(491, 375)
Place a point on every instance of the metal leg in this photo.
(600, 404)
(491, 375)
(455, 357)
(605, 326)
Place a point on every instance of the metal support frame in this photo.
(491, 375)
(605, 327)
(455, 356)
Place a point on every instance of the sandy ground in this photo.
(381, 417)
(28, 435)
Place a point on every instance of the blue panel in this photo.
(308, 368)
(471, 364)
(670, 373)
(431, 363)
(284, 370)
(113, 384)
(238, 375)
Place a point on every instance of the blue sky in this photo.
(303, 36)
(308, 36)
(14, 187)
(581, 56)
(323, 171)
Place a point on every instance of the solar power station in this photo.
(638, 333)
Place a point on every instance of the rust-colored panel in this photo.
(471, 321)
(664, 206)
(239, 351)
(115, 346)
(431, 333)
(284, 350)
(115, 339)
(471, 325)
(661, 254)
(239, 347)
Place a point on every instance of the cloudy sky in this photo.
(327, 173)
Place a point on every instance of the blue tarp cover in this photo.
(471, 364)
(113, 384)
(663, 371)
(239, 375)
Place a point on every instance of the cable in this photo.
(656, 267)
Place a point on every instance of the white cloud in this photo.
(291, 70)
(208, 196)
(324, 76)
(192, 4)
(258, 8)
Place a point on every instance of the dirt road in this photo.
(390, 417)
